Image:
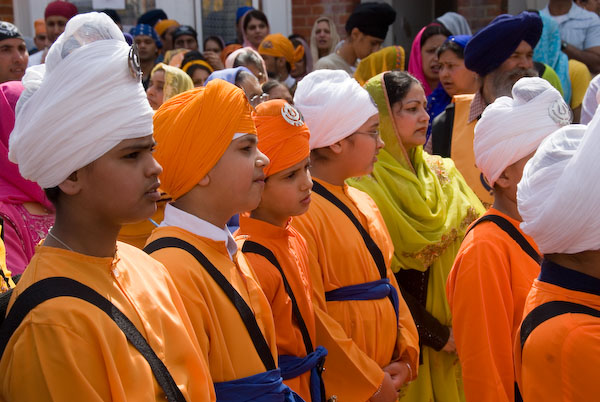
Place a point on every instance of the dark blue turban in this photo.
(494, 44)
(147, 30)
(371, 19)
(152, 17)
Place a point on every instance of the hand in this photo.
(387, 392)
(399, 372)
(214, 60)
(450, 346)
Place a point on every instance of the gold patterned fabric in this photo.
(176, 80)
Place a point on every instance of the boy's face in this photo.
(360, 149)
(122, 185)
(238, 176)
(287, 193)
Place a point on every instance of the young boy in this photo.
(556, 349)
(372, 344)
(98, 170)
(496, 263)
(213, 170)
(277, 252)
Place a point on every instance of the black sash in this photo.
(246, 314)
(253, 247)
(50, 288)
(513, 232)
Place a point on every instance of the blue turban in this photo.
(460, 40)
(241, 11)
(152, 17)
(494, 44)
(147, 30)
(228, 74)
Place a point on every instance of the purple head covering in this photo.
(14, 189)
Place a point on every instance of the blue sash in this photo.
(366, 291)
(262, 387)
(293, 366)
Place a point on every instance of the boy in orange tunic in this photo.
(98, 170)
(496, 265)
(277, 252)
(372, 343)
(207, 145)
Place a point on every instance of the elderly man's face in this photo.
(522, 57)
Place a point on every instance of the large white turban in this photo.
(558, 194)
(80, 105)
(333, 105)
(511, 128)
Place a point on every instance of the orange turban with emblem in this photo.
(193, 130)
(282, 135)
(277, 45)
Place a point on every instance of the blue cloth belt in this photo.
(262, 387)
(294, 366)
(367, 291)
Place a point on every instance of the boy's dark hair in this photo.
(397, 84)
(257, 15)
(452, 46)
(53, 195)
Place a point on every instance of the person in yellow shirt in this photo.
(214, 170)
(361, 319)
(277, 252)
(112, 325)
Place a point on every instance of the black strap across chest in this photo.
(512, 231)
(246, 314)
(51, 288)
(256, 248)
(369, 242)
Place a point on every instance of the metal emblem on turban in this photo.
(8, 29)
(292, 115)
(560, 112)
(267, 44)
(134, 63)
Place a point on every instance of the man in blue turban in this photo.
(148, 43)
(500, 53)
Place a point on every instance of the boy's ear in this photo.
(337, 147)
(205, 181)
(503, 181)
(71, 185)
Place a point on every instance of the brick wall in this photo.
(305, 12)
(6, 11)
(480, 12)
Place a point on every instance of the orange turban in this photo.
(278, 45)
(40, 26)
(282, 135)
(193, 130)
(162, 25)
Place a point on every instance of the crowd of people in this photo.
(300, 219)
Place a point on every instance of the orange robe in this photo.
(361, 336)
(291, 252)
(486, 290)
(221, 333)
(68, 349)
(562, 355)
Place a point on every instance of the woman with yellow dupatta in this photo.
(387, 59)
(427, 206)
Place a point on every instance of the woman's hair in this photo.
(191, 56)
(241, 77)
(192, 69)
(248, 58)
(257, 15)
(397, 85)
(214, 39)
(452, 46)
(270, 84)
(432, 30)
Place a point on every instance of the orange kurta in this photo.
(562, 355)
(290, 249)
(68, 349)
(221, 333)
(361, 336)
(486, 290)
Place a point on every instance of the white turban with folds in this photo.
(512, 128)
(80, 105)
(558, 194)
(333, 105)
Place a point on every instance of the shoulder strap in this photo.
(549, 310)
(246, 314)
(513, 232)
(369, 242)
(50, 288)
(256, 248)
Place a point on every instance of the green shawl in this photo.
(427, 207)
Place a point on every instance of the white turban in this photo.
(81, 105)
(558, 194)
(511, 128)
(333, 105)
